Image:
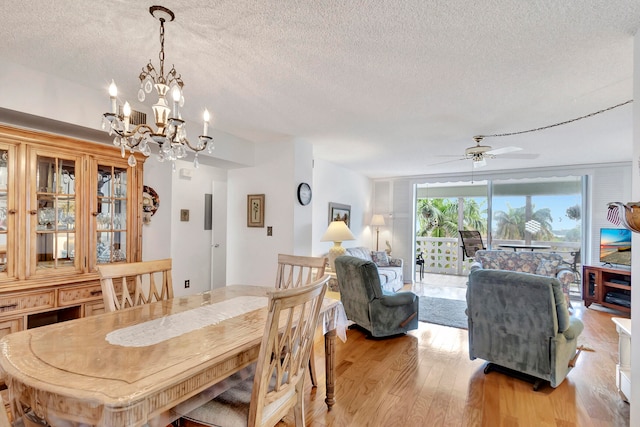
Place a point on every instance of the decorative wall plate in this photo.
(150, 200)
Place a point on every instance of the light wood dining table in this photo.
(128, 367)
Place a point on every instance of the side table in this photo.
(623, 368)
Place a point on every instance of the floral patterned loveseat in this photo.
(540, 263)
(389, 269)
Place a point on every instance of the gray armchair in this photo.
(382, 314)
(520, 321)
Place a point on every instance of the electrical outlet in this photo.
(187, 283)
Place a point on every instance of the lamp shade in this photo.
(337, 232)
(377, 220)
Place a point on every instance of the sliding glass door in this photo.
(541, 213)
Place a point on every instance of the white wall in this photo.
(156, 236)
(187, 243)
(251, 254)
(635, 260)
(332, 183)
(191, 244)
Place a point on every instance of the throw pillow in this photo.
(547, 267)
(380, 258)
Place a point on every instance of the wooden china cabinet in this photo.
(66, 206)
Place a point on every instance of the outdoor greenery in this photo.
(510, 225)
(439, 217)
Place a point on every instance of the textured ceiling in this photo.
(387, 88)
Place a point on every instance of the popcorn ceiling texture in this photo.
(382, 87)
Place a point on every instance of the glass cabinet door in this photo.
(56, 211)
(111, 215)
(7, 211)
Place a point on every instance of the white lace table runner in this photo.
(167, 327)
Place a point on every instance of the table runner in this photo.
(167, 327)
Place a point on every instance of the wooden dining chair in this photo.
(4, 416)
(295, 271)
(140, 283)
(278, 383)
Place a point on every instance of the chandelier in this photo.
(170, 134)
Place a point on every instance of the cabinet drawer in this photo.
(23, 302)
(10, 326)
(93, 308)
(76, 294)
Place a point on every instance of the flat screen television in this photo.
(615, 246)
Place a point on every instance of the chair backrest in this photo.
(284, 351)
(471, 242)
(359, 284)
(138, 282)
(295, 271)
(520, 321)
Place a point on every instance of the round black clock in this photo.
(304, 194)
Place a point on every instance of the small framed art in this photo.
(255, 210)
(339, 212)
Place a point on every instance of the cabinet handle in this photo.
(94, 293)
(12, 211)
(33, 212)
(2, 307)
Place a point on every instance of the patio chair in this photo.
(471, 242)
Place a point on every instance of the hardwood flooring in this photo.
(425, 378)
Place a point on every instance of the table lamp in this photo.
(377, 220)
(337, 233)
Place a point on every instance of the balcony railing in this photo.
(444, 255)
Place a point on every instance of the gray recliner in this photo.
(520, 321)
(365, 303)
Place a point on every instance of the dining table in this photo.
(133, 367)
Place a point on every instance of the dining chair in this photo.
(278, 383)
(151, 282)
(471, 243)
(4, 416)
(295, 271)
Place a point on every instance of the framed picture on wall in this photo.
(255, 210)
(339, 212)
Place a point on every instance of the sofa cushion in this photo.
(380, 258)
(360, 252)
(548, 267)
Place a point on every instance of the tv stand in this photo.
(608, 287)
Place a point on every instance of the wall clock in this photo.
(304, 194)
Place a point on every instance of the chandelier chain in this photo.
(161, 53)
(556, 124)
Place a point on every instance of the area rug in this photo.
(442, 311)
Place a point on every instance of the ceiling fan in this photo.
(480, 153)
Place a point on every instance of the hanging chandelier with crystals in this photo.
(170, 133)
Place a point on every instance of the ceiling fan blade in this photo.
(445, 162)
(522, 156)
(503, 150)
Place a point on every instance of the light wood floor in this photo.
(425, 378)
